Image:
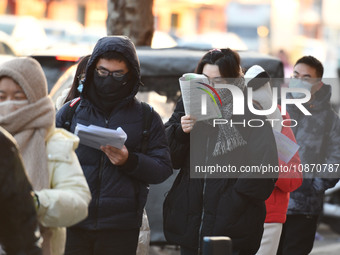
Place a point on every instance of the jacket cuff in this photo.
(181, 136)
(44, 205)
(131, 163)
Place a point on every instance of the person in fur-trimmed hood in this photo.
(61, 192)
(118, 178)
(277, 204)
(318, 136)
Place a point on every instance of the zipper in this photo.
(100, 174)
(203, 194)
(202, 216)
(99, 188)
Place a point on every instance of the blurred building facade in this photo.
(296, 26)
(88, 12)
(183, 18)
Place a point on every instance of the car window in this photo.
(7, 28)
(5, 49)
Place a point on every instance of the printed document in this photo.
(95, 136)
(199, 97)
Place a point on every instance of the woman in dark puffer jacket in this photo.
(232, 205)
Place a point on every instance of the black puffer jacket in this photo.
(232, 207)
(18, 218)
(119, 193)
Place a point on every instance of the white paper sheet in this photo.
(95, 136)
(286, 148)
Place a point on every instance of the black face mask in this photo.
(110, 87)
(107, 92)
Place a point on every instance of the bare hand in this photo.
(187, 123)
(117, 157)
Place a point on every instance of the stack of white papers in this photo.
(95, 136)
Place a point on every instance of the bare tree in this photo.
(47, 8)
(11, 7)
(133, 18)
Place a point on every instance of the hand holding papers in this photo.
(94, 136)
(198, 97)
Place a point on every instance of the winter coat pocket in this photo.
(176, 207)
(230, 214)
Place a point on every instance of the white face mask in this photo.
(298, 83)
(10, 106)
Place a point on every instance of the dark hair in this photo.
(81, 68)
(116, 56)
(227, 60)
(312, 62)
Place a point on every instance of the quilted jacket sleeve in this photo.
(66, 202)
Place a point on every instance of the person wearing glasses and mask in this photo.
(318, 136)
(118, 178)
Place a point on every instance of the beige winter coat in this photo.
(67, 200)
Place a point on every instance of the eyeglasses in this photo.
(106, 73)
(217, 80)
(81, 77)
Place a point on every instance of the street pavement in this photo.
(327, 243)
(166, 250)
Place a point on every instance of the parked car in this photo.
(6, 45)
(56, 60)
(26, 32)
(160, 70)
(61, 31)
(162, 40)
(213, 40)
(89, 36)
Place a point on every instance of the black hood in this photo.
(121, 44)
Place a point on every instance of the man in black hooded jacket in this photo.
(118, 178)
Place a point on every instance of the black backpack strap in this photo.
(72, 106)
(147, 119)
